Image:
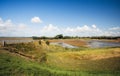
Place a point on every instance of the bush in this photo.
(40, 42)
(24, 47)
(47, 42)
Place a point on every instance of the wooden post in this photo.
(3, 43)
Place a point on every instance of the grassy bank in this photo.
(59, 61)
(12, 65)
(88, 59)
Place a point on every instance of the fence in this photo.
(3, 42)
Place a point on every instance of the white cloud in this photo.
(8, 28)
(22, 25)
(115, 28)
(83, 31)
(6, 23)
(84, 28)
(114, 31)
(50, 30)
(36, 20)
(94, 26)
(1, 21)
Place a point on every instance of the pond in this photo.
(63, 44)
(100, 44)
(91, 43)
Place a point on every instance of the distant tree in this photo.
(67, 37)
(35, 38)
(44, 37)
(60, 36)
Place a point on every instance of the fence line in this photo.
(3, 42)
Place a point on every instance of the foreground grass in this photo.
(52, 60)
(87, 59)
(13, 65)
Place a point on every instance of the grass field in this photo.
(59, 61)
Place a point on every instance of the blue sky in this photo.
(67, 17)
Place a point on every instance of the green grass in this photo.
(11, 65)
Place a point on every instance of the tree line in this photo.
(60, 36)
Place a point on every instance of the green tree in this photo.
(60, 36)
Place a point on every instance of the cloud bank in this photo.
(8, 28)
(84, 30)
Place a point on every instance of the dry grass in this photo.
(94, 59)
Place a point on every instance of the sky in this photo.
(26, 18)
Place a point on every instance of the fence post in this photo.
(3, 43)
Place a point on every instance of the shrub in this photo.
(47, 42)
(24, 47)
(40, 42)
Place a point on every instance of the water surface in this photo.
(100, 44)
(63, 44)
